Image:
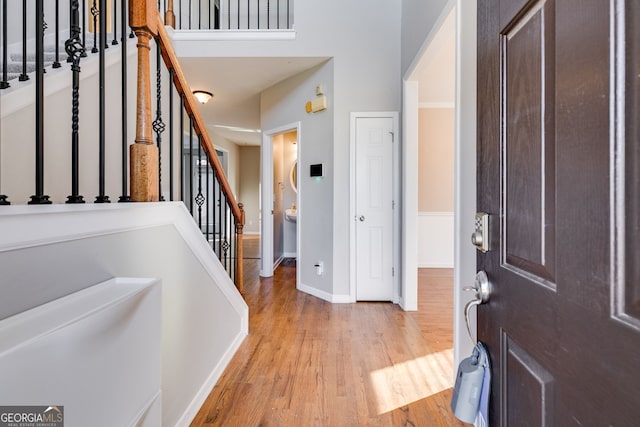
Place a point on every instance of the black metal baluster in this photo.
(199, 14)
(209, 14)
(238, 14)
(182, 147)
(189, 14)
(158, 124)
(191, 164)
(102, 197)
(95, 12)
(83, 27)
(115, 21)
(219, 201)
(180, 17)
(24, 75)
(39, 198)
(171, 151)
(73, 47)
(278, 14)
(268, 14)
(56, 63)
(208, 198)
(199, 197)
(124, 197)
(288, 14)
(4, 83)
(258, 14)
(248, 15)
(228, 14)
(225, 243)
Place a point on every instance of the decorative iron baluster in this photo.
(73, 47)
(225, 242)
(288, 14)
(23, 77)
(102, 197)
(208, 197)
(258, 14)
(39, 198)
(124, 197)
(56, 63)
(189, 14)
(268, 15)
(4, 83)
(219, 202)
(44, 28)
(171, 151)
(158, 124)
(278, 14)
(199, 198)
(180, 17)
(199, 14)
(95, 12)
(209, 14)
(238, 14)
(115, 21)
(191, 163)
(228, 14)
(83, 28)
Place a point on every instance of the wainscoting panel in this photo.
(435, 239)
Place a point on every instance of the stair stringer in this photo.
(51, 251)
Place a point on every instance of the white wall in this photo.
(364, 44)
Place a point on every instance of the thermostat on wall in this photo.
(316, 170)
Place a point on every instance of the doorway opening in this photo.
(281, 213)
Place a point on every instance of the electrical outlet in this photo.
(319, 268)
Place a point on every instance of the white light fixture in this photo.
(202, 96)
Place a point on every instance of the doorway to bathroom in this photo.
(281, 197)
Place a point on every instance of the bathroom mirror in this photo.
(293, 176)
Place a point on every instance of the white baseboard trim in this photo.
(290, 255)
(337, 299)
(251, 233)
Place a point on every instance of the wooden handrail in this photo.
(147, 22)
(191, 105)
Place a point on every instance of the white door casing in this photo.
(373, 154)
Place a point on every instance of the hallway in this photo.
(307, 362)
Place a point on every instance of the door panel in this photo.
(528, 143)
(559, 171)
(374, 237)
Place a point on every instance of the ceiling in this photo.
(234, 111)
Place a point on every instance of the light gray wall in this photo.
(363, 41)
(284, 104)
(418, 20)
(249, 184)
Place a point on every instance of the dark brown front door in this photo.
(559, 171)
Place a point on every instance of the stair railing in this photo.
(229, 14)
(212, 203)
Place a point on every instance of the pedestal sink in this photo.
(291, 214)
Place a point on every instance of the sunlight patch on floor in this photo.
(403, 383)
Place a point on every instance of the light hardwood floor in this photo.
(307, 362)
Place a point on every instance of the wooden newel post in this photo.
(144, 167)
(240, 254)
(169, 16)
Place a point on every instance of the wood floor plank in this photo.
(308, 362)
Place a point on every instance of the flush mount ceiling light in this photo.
(202, 96)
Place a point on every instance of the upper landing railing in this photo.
(229, 14)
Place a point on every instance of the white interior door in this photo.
(374, 208)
